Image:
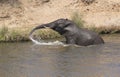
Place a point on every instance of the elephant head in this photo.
(60, 25)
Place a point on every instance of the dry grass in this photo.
(46, 34)
(77, 18)
(12, 35)
(105, 29)
(17, 35)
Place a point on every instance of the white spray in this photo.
(45, 43)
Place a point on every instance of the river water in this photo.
(31, 60)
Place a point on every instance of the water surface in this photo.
(31, 60)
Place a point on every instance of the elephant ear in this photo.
(68, 23)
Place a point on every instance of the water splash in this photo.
(41, 42)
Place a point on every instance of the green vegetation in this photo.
(15, 35)
(77, 18)
(7, 35)
(3, 33)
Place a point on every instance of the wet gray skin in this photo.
(72, 33)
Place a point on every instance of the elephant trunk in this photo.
(50, 25)
(38, 27)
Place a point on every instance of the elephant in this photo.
(72, 33)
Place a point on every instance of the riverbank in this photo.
(19, 17)
(22, 35)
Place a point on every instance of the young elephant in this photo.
(72, 33)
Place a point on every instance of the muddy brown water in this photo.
(30, 60)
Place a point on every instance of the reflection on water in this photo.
(29, 60)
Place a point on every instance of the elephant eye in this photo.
(67, 25)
